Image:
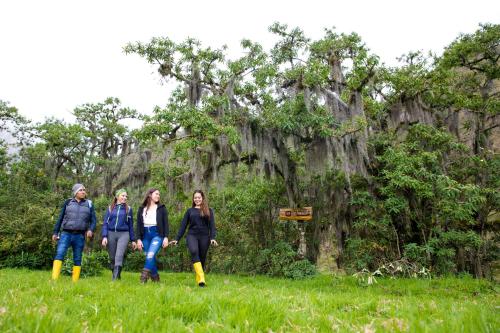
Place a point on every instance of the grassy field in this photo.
(30, 302)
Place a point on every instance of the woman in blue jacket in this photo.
(117, 231)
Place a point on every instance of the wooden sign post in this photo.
(300, 215)
(296, 214)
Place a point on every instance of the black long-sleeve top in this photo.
(161, 221)
(200, 226)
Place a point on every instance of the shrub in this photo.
(134, 261)
(92, 263)
(27, 260)
(273, 261)
(300, 269)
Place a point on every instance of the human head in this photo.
(152, 196)
(121, 196)
(79, 191)
(200, 200)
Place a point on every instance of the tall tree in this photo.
(107, 136)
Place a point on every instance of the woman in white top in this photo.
(152, 232)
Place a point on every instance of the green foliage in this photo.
(300, 270)
(426, 201)
(10, 119)
(275, 261)
(416, 209)
(26, 260)
(92, 263)
(31, 302)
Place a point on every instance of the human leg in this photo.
(77, 243)
(122, 242)
(194, 249)
(62, 247)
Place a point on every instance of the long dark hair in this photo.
(147, 199)
(204, 210)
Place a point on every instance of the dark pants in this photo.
(198, 247)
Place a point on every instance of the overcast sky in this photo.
(56, 55)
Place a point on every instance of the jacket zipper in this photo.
(117, 215)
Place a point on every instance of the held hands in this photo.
(104, 242)
(214, 242)
(165, 242)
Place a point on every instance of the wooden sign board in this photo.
(297, 214)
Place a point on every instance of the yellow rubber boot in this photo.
(200, 275)
(76, 273)
(56, 269)
(197, 277)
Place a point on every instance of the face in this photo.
(155, 196)
(197, 199)
(122, 198)
(81, 194)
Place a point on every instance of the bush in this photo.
(27, 260)
(363, 253)
(280, 260)
(134, 261)
(300, 269)
(92, 263)
(416, 254)
(273, 261)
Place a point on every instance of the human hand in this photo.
(214, 242)
(139, 245)
(134, 246)
(89, 234)
(165, 242)
(174, 242)
(55, 238)
(104, 241)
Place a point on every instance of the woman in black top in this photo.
(201, 233)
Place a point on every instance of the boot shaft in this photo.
(76, 273)
(56, 269)
(200, 275)
(117, 270)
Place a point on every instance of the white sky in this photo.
(56, 55)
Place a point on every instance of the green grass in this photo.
(30, 302)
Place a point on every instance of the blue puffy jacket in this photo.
(119, 219)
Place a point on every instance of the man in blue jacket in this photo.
(77, 220)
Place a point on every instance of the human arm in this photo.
(57, 227)
(130, 220)
(105, 225)
(93, 222)
(213, 230)
(165, 224)
(182, 228)
(140, 228)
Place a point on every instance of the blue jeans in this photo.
(77, 241)
(152, 245)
